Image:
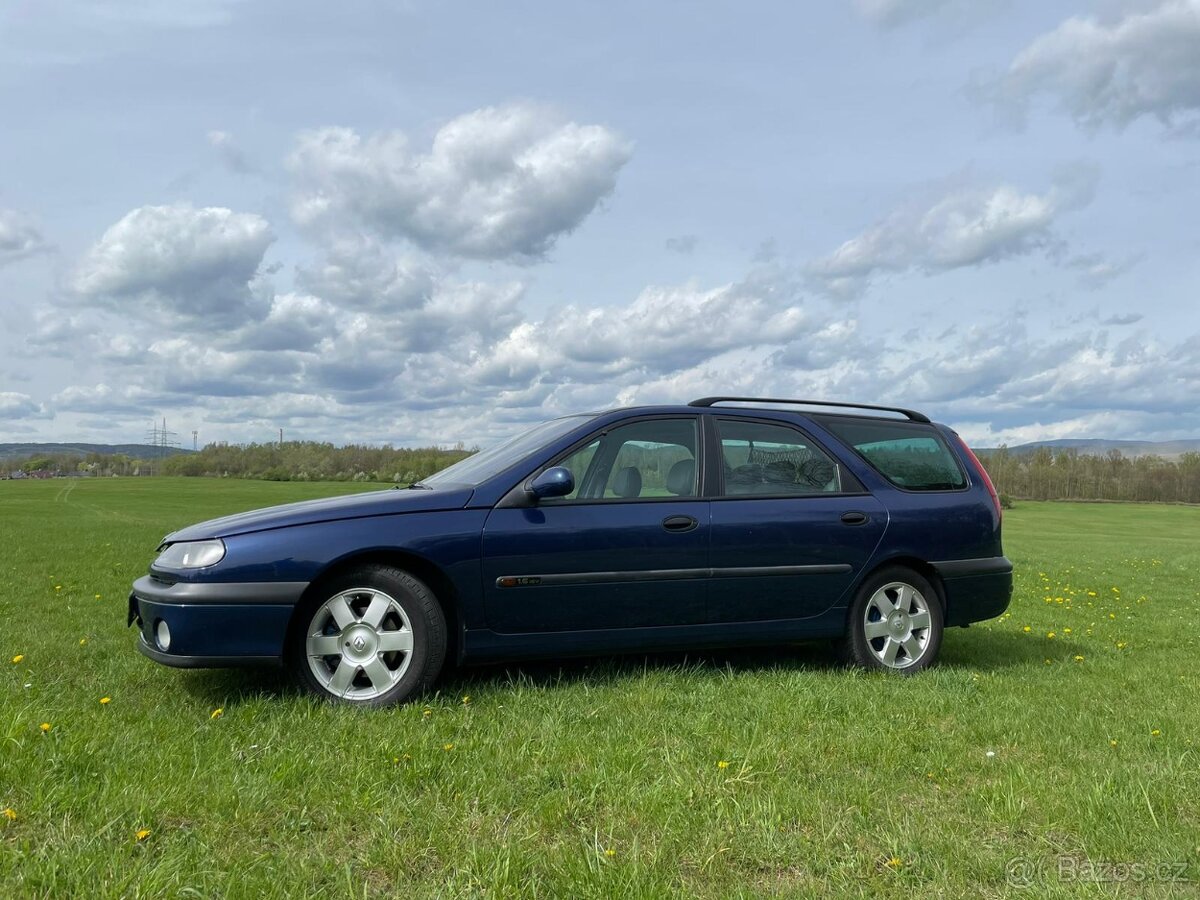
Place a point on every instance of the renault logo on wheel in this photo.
(359, 643)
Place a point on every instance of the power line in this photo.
(161, 441)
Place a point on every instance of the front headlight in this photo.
(191, 555)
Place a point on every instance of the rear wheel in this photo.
(895, 623)
(371, 637)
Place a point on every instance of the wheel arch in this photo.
(920, 566)
(416, 565)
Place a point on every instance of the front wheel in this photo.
(371, 637)
(895, 623)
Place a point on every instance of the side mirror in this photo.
(554, 482)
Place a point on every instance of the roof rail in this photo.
(912, 415)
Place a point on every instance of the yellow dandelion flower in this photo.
(1155, 733)
(1066, 631)
(447, 747)
(1120, 645)
(395, 760)
(97, 596)
(217, 713)
(1027, 629)
(1050, 635)
(427, 712)
(18, 658)
(466, 699)
(104, 701)
(1049, 661)
(723, 764)
(58, 587)
(894, 863)
(141, 834)
(1112, 743)
(82, 641)
(1078, 658)
(610, 852)
(45, 726)
(10, 814)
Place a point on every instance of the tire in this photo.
(384, 632)
(896, 616)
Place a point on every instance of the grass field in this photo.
(1062, 736)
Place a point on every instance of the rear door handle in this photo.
(679, 523)
(854, 517)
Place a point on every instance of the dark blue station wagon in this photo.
(729, 521)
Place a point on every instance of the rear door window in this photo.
(760, 458)
(910, 455)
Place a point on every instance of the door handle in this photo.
(679, 523)
(854, 517)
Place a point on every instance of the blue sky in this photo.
(413, 222)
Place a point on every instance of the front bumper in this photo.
(214, 624)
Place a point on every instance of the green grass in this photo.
(600, 778)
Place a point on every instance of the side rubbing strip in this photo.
(512, 581)
(759, 571)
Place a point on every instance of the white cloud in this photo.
(19, 238)
(294, 322)
(890, 13)
(21, 406)
(364, 274)
(1122, 319)
(497, 183)
(665, 328)
(102, 398)
(967, 226)
(1089, 425)
(684, 244)
(192, 263)
(1145, 64)
(231, 155)
(1096, 270)
(958, 14)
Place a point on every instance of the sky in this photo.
(418, 223)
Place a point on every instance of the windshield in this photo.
(485, 464)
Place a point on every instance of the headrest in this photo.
(681, 478)
(628, 482)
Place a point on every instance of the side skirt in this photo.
(483, 645)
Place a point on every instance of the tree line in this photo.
(290, 461)
(1043, 474)
(313, 461)
(1067, 474)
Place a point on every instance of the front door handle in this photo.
(680, 523)
(855, 517)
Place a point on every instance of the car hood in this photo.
(307, 512)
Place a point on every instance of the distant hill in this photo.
(133, 451)
(1100, 447)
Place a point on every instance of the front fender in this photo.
(449, 540)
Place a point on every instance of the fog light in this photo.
(162, 635)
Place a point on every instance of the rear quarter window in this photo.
(910, 455)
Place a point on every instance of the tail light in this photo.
(987, 481)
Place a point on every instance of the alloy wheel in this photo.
(359, 644)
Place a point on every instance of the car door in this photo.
(628, 547)
(791, 528)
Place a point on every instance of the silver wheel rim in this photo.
(359, 644)
(897, 625)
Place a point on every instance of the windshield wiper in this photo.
(417, 486)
